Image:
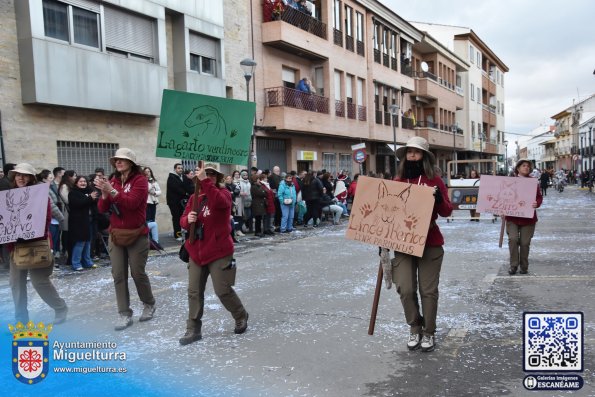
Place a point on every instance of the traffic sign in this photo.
(359, 156)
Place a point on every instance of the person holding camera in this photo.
(126, 195)
(211, 252)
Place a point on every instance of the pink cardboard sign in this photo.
(23, 212)
(389, 214)
(507, 196)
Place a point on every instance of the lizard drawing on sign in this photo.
(209, 122)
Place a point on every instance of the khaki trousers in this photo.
(40, 278)
(134, 256)
(409, 273)
(223, 278)
(519, 239)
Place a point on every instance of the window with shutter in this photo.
(129, 34)
(204, 53)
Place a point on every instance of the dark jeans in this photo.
(258, 224)
(152, 212)
(313, 210)
(176, 214)
(55, 233)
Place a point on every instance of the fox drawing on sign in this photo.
(16, 207)
(392, 206)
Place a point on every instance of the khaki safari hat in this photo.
(213, 167)
(123, 153)
(521, 161)
(21, 168)
(419, 143)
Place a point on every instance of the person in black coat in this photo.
(544, 180)
(258, 205)
(312, 194)
(80, 202)
(176, 192)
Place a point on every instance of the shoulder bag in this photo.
(32, 254)
(126, 237)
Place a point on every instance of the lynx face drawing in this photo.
(391, 204)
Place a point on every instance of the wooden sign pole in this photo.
(375, 303)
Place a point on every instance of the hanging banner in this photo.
(389, 214)
(202, 127)
(507, 196)
(23, 213)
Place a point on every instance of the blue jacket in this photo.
(285, 192)
(303, 87)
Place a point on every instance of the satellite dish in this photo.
(424, 67)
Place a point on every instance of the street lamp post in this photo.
(590, 149)
(394, 110)
(506, 157)
(454, 129)
(248, 65)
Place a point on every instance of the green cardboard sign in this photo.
(202, 127)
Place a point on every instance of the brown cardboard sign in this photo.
(507, 196)
(393, 215)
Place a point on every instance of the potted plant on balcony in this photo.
(278, 8)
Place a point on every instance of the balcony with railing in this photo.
(440, 135)
(283, 26)
(407, 123)
(290, 110)
(377, 56)
(360, 48)
(339, 108)
(428, 85)
(349, 43)
(338, 37)
(288, 97)
(351, 111)
(406, 69)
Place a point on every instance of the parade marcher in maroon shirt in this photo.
(411, 273)
(520, 230)
(125, 195)
(211, 252)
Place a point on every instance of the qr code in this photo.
(553, 342)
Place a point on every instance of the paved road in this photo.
(309, 298)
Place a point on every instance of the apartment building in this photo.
(483, 113)
(81, 78)
(374, 76)
(573, 146)
(539, 148)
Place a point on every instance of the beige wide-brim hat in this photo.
(521, 161)
(419, 143)
(21, 168)
(213, 167)
(123, 153)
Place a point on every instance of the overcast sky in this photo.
(548, 45)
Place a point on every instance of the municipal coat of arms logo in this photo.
(30, 351)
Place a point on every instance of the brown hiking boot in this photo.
(241, 325)
(190, 336)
